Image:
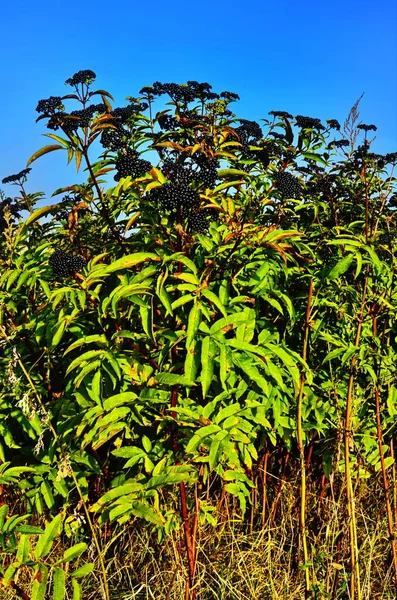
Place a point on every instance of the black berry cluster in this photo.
(201, 91)
(130, 165)
(184, 93)
(173, 197)
(367, 127)
(391, 157)
(82, 118)
(50, 106)
(308, 123)
(288, 184)
(231, 96)
(77, 118)
(276, 135)
(249, 130)
(177, 172)
(208, 173)
(338, 144)
(200, 221)
(86, 76)
(333, 123)
(113, 139)
(167, 122)
(16, 178)
(65, 264)
(124, 113)
(281, 113)
(13, 206)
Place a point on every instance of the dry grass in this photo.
(237, 563)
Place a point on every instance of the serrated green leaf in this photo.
(341, 267)
(59, 584)
(83, 571)
(44, 544)
(209, 350)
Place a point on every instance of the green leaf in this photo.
(173, 379)
(23, 548)
(208, 352)
(130, 261)
(144, 511)
(315, 157)
(162, 292)
(59, 581)
(87, 356)
(198, 437)
(40, 583)
(29, 529)
(76, 585)
(3, 514)
(340, 267)
(226, 412)
(194, 321)
(88, 339)
(9, 573)
(215, 300)
(58, 334)
(215, 448)
(74, 551)
(44, 544)
(121, 490)
(42, 151)
(83, 571)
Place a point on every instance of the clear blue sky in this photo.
(305, 57)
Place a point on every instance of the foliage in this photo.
(230, 298)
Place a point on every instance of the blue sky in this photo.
(309, 58)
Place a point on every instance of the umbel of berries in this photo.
(65, 264)
(288, 185)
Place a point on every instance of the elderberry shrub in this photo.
(129, 164)
(288, 184)
(65, 264)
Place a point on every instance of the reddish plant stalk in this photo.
(264, 486)
(385, 481)
(189, 545)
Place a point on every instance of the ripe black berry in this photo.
(65, 264)
(288, 185)
(129, 164)
(174, 196)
